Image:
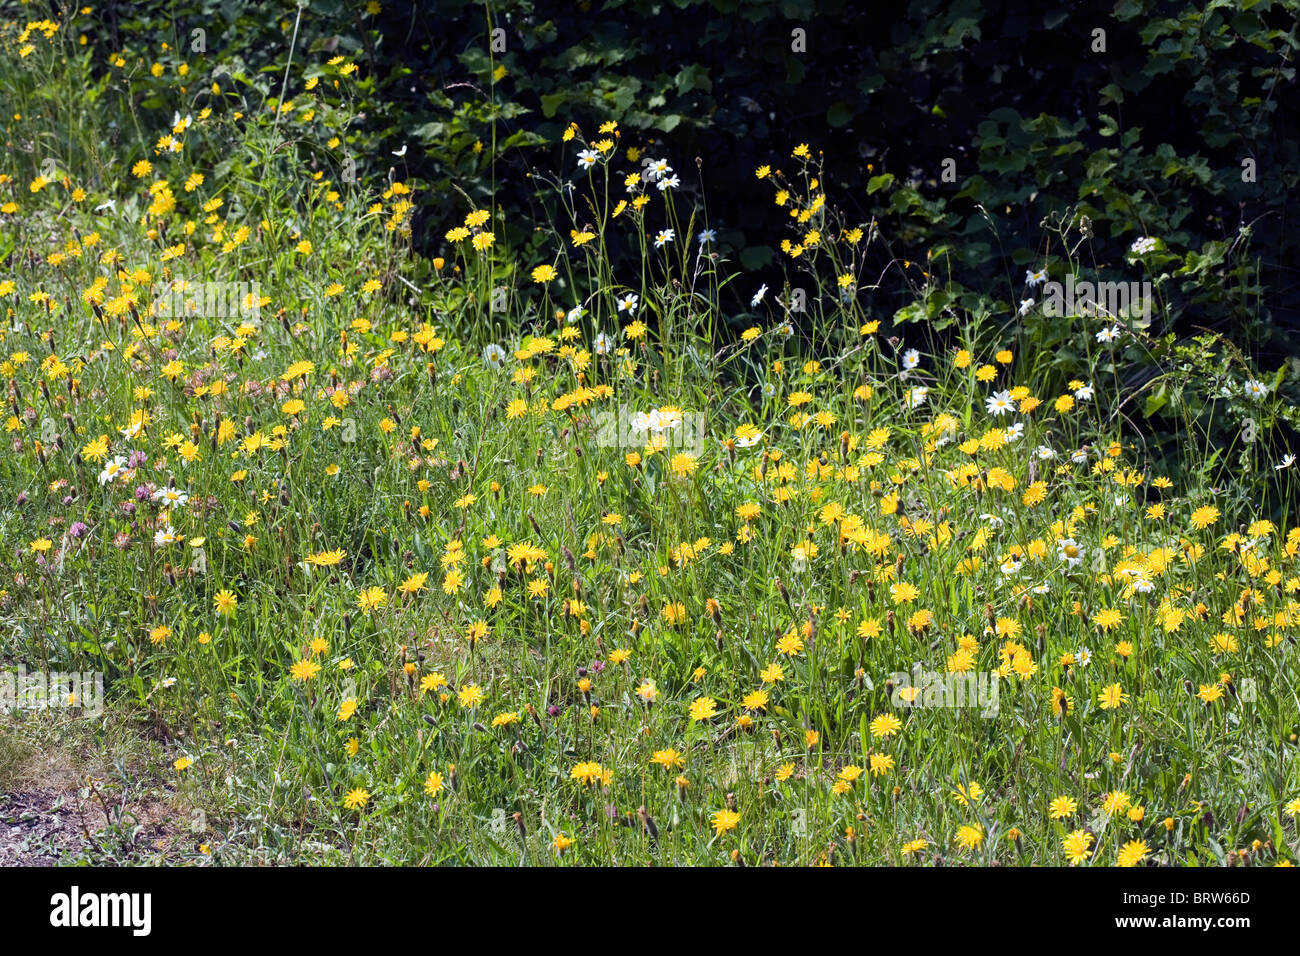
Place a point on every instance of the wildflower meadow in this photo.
(399, 525)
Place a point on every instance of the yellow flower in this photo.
(1131, 853)
(885, 725)
(589, 772)
(1112, 696)
(225, 603)
(724, 821)
(415, 583)
(1077, 846)
(1107, 619)
(1063, 807)
(669, 759)
(304, 670)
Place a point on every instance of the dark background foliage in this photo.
(1145, 137)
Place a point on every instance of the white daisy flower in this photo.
(171, 497)
(656, 168)
(112, 469)
(999, 403)
(1068, 550)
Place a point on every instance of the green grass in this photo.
(424, 608)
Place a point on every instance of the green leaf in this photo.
(839, 114)
(877, 183)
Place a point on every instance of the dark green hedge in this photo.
(1145, 137)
